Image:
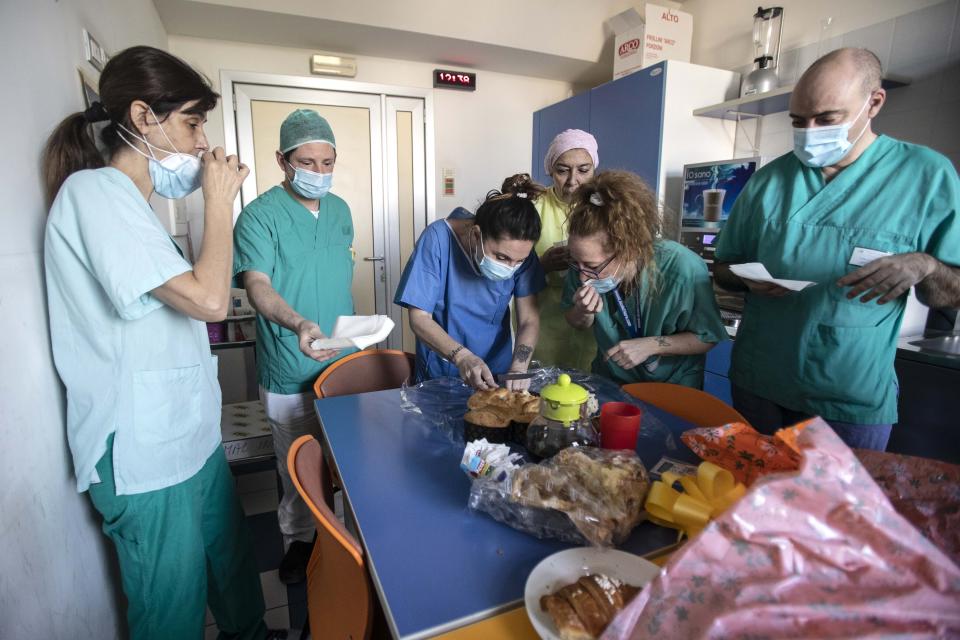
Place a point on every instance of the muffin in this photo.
(484, 423)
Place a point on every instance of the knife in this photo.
(503, 377)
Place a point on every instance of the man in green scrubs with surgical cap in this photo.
(866, 218)
(294, 257)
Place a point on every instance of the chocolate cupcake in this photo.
(484, 423)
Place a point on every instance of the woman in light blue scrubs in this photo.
(127, 316)
(460, 280)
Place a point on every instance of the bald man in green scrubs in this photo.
(864, 216)
(293, 252)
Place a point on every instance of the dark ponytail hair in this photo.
(510, 212)
(162, 80)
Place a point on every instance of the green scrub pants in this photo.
(182, 548)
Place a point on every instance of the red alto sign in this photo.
(629, 47)
(669, 16)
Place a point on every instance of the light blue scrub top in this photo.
(442, 280)
(131, 365)
(815, 351)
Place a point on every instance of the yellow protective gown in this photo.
(560, 345)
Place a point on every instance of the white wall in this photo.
(722, 34)
(56, 567)
(483, 135)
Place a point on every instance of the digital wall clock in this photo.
(447, 79)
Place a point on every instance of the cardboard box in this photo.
(628, 44)
(668, 35)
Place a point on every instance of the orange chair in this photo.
(340, 601)
(363, 371)
(693, 405)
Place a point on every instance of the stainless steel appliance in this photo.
(767, 30)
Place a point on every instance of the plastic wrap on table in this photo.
(443, 402)
(925, 492)
(815, 553)
(582, 495)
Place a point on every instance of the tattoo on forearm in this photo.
(522, 353)
(662, 341)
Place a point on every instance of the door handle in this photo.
(374, 259)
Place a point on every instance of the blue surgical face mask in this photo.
(826, 146)
(175, 176)
(608, 284)
(310, 184)
(493, 270)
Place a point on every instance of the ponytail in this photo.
(69, 148)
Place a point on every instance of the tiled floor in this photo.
(259, 493)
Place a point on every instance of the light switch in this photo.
(94, 53)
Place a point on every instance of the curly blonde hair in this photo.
(621, 205)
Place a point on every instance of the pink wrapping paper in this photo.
(818, 553)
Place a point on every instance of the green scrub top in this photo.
(310, 264)
(815, 351)
(132, 366)
(680, 300)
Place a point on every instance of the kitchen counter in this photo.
(944, 356)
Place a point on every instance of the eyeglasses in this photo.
(592, 274)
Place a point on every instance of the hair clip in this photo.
(596, 199)
(522, 194)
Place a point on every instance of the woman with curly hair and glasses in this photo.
(459, 282)
(649, 301)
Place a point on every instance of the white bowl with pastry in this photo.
(575, 593)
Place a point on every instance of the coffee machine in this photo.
(767, 30)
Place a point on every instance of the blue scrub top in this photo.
(442, 280)
(131, 365)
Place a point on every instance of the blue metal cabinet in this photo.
(718, 359)
(572, 113)
(625, 116)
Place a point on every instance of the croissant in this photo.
(583, 609)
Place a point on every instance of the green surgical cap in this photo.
(303, 126)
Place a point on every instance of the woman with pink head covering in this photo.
(571, 161)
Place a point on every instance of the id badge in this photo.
(862, 256)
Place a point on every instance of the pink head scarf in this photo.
(570, 139)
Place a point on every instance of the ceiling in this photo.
(556, 39)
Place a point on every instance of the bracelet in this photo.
(453, 354)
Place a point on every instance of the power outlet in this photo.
(94, 53)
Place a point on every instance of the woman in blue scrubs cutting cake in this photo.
(460, 280)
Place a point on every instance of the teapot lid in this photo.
(564, 392)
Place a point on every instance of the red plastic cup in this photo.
(619, 425)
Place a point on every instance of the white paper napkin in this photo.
(356, 331)
(756, 271)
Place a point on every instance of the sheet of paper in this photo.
(756, 271)
(356, 331)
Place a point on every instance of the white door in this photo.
(406, 195)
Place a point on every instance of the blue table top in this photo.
(436, 564)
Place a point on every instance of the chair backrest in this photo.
(693, 405)
(339, 597)
(363, 371)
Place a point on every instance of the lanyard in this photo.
(632, 327)
(651, 363)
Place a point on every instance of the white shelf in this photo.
(764, 104)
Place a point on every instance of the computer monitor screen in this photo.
(710, 189)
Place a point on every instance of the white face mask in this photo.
(826, 146)
(175, 176)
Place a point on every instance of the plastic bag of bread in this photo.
(582, 495)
